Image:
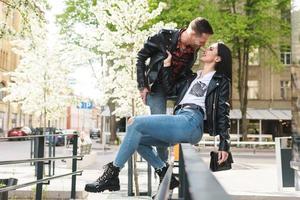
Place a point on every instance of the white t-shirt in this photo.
(197, 91)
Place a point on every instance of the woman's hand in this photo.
(222, 156)
(167, 61)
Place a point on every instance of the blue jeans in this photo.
(157, 101)
(186, 126)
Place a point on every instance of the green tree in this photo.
(76, 11)
(115, 30)
(248, 25)
(245, 25)
(179, 11)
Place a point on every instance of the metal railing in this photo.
(130, 179)
(41, 161)
(163, 190)
(196, 180)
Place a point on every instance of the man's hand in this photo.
(143, 94)
(222, 156)
(167, 61)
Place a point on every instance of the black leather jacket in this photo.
(155, 49)
(217, 104)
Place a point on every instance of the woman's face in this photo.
(210, 55)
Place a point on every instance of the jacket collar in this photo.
(215, 81)
(174, 38)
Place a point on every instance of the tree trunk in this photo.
(244, 90)
(135, 172)
(243, 54)
(242, 78)
(136, 175)
(101, 128)
(113, 123)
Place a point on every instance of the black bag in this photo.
(214, 165)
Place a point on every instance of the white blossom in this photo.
(30, 12)
(118, 37)
(40, 83)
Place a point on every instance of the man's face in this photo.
(197, 40)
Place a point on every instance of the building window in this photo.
(23, 120)
(253, 89)
(14, 120)
(254, 57)
(285, 89)
(3, 59)
(30, 121)
(2, 93)
(2, 115)
(286, 55)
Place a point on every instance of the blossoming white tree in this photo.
(40, 83)
(116, 34)
(29, 12)
(119, 35)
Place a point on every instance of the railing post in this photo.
(40, 166)
(130, 177)
(32, 150)
(51, 141)
(53, 154)
(181, 173)
(35, 149)
(74, 166)
(149, 180)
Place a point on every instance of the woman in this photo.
(202, 98)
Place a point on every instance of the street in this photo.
(243, 157)
(257, 167)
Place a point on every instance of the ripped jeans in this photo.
(144, 132)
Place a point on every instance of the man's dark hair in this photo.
(201, 25)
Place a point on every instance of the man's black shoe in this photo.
(108, 181)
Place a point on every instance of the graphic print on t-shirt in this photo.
(198, 89)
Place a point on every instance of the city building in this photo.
(10, 114)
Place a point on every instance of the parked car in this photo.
(27, 130)
(16, 132)
(70, 138)
(58, 139)
(94, 133)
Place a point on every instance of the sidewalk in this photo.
(60, 188)
(253, 176)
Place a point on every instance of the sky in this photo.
(296, 5)
(82, 79)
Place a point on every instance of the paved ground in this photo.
(253, 175)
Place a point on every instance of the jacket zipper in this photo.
(214, 111)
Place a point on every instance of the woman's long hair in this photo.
(225, 65)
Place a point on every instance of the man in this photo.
(183, 45)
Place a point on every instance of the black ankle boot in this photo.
(161, 173)
(108, 181)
